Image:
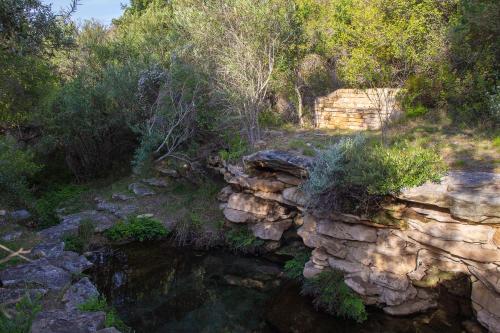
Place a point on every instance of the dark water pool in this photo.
(160, 288)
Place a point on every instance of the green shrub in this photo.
(236, 147)
(48, 203)
(496, 142)
(416, 111)
(294, 267)
(242, 239)
(16, 165)
(20, 321)
(354, 174)
(95, 304)
(330, 293)
(270, 118)
(79, 242)
(137, 228)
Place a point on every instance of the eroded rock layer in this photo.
(447, 231)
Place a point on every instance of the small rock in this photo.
(140, 189)
(48, 250)
(121, 196)
(71, 262)
(168, 172)
(79, 293)
(20, 215)
(3, 213)
(225, 193)
(12, 236)
(158, 182)
(270, 230)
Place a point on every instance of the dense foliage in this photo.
(169, 75)
(354, 173)
(19, 320)
(137, 228)
(332, 294)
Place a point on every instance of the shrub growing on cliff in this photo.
(95, 304)
(19, 321)
(242, 239)
(332, 294)
(354, 174)
(137, 228)
(294, 267)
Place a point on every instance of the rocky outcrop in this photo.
(448, 230)
(264, 194)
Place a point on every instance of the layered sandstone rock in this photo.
(449, 230)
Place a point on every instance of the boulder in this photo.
(61, 321)
(121, 197)
(19, 215)
(140, 190)
(238, 216)
(469, 195)
(225, 193)
(389, 280)
(79, 293)
(38, 273)
(71, 262)
(69, 224)
(270, 230)
(277, 160)
(48, 249)
(269, 210)
(311, 270)
(158, 182)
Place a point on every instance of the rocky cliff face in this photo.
(447, 231)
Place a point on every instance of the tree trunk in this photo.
(299, 106)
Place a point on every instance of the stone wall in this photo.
(355, 109)
(449, 231)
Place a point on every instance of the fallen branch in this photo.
(19, 253)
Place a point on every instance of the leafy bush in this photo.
(95, 304)
(48, 203)
(294, 267)
(236, 147)
(416, 111)
(22, 317)
(354, 174)
(137, 228)
(16, 165)
(80, 241)
(269, 118)
(242, 239)
(332, 294)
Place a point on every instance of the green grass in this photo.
(95, 304)
(496, 142)
(137, 228)
(49, 202)
(23, 315)
(80, 242)
(331, 294)
(294, 267)
(241, 239)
